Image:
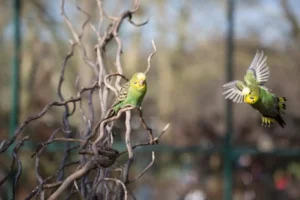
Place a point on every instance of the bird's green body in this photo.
(131, 93)
(266, 102)
(253, 92)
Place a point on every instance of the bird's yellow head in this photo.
(251, 95)
(138, 81)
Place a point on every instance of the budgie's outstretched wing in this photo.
(122, 94)
(265, 88)
(259, 68)
(233, 91)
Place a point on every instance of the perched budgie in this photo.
(131, 93)
(253, 92)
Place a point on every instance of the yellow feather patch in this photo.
(281, 104)
(282, 99)
(267, 121)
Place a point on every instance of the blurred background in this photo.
(205, 154)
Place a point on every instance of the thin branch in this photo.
(101, 15)
(144, 171)
(68, 22)
(110, 86)
(77, 189)
(148, 143)
(51, 140)
(9, 142)
(129, 148)
(15, 158)
(115, 153)
(136, 24)
(150, 56)
(37, 162)
(118, 182)
(49, 186)
(84, 54)
(146, 126)
(76, 175)
(118, 59)
(19, 172)
(106, 121)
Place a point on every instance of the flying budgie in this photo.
(254, 92)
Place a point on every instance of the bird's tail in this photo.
(280, 121)
(281, 104)
(268, 121)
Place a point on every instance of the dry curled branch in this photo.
(96, 154)
(110, 86)
(118, 182)
(129, 148)
(15, 158)
(144, 171)
(6, 144)
(102, 126)
(156, 139)
(76, 175)
(146, 126)
(50, 185)
(150, 56)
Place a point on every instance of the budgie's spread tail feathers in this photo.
(281, 104)
(280, 121)
(268, 121)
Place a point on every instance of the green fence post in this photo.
(227, 187)
(15, 84)
(15, 81)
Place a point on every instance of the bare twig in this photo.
(110, 86)
(118, 182)
(146, 127)
(148, 143)
(118, 59)
(19, 172)
(9, 142)
(37, 161)
(49, 186)
(108, 153)
(106, 121)
(150, 56)
(15, 158)
(51, 140)
(144, 171)
(76, 175)
(68, 22)
(128, 146)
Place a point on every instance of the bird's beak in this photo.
(141, 82)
